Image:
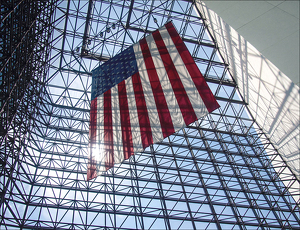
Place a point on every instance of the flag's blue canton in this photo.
(113, 72)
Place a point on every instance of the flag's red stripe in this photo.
(160, 100)
(145, 127)
(198, 79)
(92, 173)
(108, 131)
(183, 101)
(125, 121)
(93, 122)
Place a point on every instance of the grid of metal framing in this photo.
(215, 174)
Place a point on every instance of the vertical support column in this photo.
(87, 28)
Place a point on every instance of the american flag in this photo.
(142, 95)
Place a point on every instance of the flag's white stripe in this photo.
(134, 120)
(174, 109)
(187, 81)
(98, 152)
(116, 125)
(148, 93)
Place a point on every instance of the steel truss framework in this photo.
(218, 173)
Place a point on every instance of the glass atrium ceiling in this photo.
(214, 174)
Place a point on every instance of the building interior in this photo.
(235, 168)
